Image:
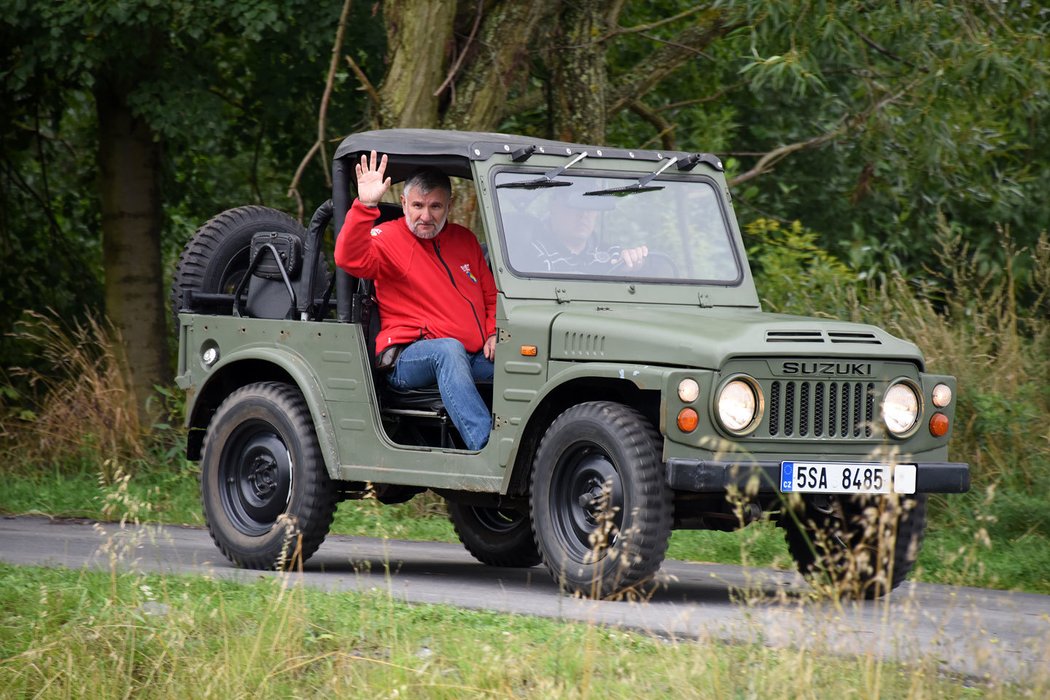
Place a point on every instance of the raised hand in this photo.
(370, 183)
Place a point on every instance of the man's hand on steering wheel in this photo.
(633, 257)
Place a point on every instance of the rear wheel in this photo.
(856, 546)
(601, 509)
(264, 486)
(495, 536)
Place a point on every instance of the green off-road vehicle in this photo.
(628, 400)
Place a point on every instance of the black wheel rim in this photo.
(233, 273)
(255, 477)
(498, 520)
(576, 499)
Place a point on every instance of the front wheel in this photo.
(495, 536)
(264, 486)
(856, 546)
(601, 508)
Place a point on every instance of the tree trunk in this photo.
(419, 35)
(128, 163)
(496, 61)
(578, 93)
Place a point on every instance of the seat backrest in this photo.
(268, 294)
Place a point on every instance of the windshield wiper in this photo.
(641, 186)
(546, 180)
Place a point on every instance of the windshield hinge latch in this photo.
(705, 301)
(562, 295)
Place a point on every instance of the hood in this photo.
(707, 338)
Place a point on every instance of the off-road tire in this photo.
(268, 501)
(495, 536)
(216, 257)
(594, 551)
(856, 546)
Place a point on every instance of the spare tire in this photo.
(216, 257)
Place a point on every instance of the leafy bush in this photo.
(794, 274)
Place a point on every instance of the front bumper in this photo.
(701, 476)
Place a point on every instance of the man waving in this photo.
(436, 294)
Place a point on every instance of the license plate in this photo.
(835, 477)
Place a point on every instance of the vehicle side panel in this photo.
(329, 364)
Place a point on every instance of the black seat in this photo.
(409, 409)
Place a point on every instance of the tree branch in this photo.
(699, 100)
(366, 84)
(333, 66)
(652, 25)
(322, 115)
(881, 49)
(667, 59)
(462, 54)
(665, 129)
(612, 17)
(768, 160)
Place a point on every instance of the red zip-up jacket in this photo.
(437, 288)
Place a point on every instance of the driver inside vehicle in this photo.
(568, 241)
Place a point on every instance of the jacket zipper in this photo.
(437, 251)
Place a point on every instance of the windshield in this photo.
(599, 226)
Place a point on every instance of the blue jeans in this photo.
(445, 362)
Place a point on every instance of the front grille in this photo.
(821, 409)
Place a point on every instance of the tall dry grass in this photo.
(82, 408)
(993, 335)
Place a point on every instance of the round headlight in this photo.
(737, 406)
(900, 408)
(942, 395)
(688, 390)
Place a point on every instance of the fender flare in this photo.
(643, 377)
(305, 381)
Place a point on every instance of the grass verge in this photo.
(107, 634)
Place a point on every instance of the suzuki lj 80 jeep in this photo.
(628, 399)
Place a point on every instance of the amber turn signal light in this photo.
(688, 419)
(939, 425)
(528, 351)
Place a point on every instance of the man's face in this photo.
(425, 213)
(573, 226)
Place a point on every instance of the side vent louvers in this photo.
(584, 344)
(864, 338)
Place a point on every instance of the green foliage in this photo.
(891, 117)
(794, 274)
(942, 112)
(231, 89)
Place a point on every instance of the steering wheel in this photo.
(656, 264)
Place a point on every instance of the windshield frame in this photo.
(628, 177)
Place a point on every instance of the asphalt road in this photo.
(978, 633)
